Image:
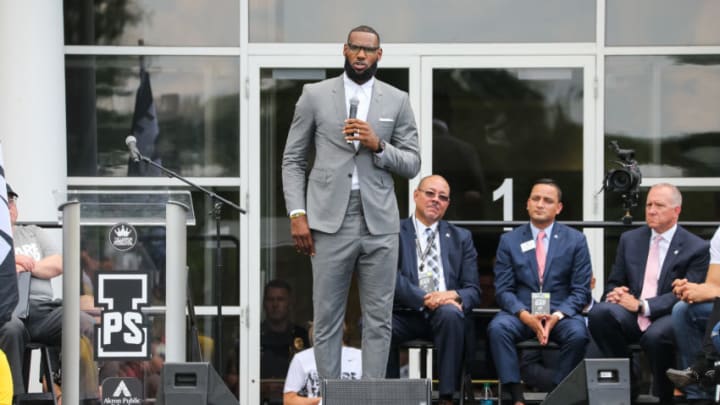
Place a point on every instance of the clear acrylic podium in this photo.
(171, 209)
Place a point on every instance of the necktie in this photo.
(540, 254)
(652, 268)
(432, 260)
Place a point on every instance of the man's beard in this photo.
(363, 77)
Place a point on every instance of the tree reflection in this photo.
(99, 22)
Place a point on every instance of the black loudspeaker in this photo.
(594, 382)
(377, 392)
(193, 384)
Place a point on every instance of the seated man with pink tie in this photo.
(541, 285)
(638, 298)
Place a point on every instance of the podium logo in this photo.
(123, 330)
(122, 391)
(123, 236)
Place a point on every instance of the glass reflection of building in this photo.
(498, 95)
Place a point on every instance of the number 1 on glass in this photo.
(505, 191)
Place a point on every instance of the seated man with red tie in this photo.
(541, 285)
(638, 298)
(437, 284)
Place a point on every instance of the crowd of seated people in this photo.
(543, 284)
(662, 293)
(543, 290)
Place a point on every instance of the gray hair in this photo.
(675, 195)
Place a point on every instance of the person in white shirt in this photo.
(302, 384)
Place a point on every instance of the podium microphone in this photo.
(131, 143)
(353, 110)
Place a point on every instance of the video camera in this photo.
(625, 180)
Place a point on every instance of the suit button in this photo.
(350, 175)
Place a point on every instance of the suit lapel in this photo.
(642, 250)
(446, 243)
(530, 255)
(375, 105)
(408, 228)
(340, 107)
(556, 236)
(673, 249)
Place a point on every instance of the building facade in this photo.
(501, 97)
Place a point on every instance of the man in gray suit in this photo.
(345, 216)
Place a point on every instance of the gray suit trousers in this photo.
(337, 255)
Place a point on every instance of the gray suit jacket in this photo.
(318, 122)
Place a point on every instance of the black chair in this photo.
(466, 393)
(37, 398)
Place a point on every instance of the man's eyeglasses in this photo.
(12, 200)
(432, 194)
(369, 50)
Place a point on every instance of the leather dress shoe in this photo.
(683, 378)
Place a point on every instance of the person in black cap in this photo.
(35, 253)
(11, 193)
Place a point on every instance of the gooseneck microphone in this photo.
(353, 111)
(131, 143)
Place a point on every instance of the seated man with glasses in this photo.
(437, 284)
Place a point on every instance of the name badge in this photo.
(540, 303)
(527, 246)
(426, 281)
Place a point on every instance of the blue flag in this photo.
(145, 128)
(8, 276)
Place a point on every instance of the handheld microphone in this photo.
(353, 107)
(353, 110)
(131, 143)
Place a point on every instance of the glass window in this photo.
(698, 205)
(495, 125)
(665, 107)
(195, 100)
(662, 22)
(154, 22)
(463, 21)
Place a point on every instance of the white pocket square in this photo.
(386, 120)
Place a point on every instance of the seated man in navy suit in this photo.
(639, 297)
(541, 285)
(437, 283)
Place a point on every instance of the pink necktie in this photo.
(540, 254)
(651, 278)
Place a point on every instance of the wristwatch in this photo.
(641, 306)
(381, 146)
(297, 214)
